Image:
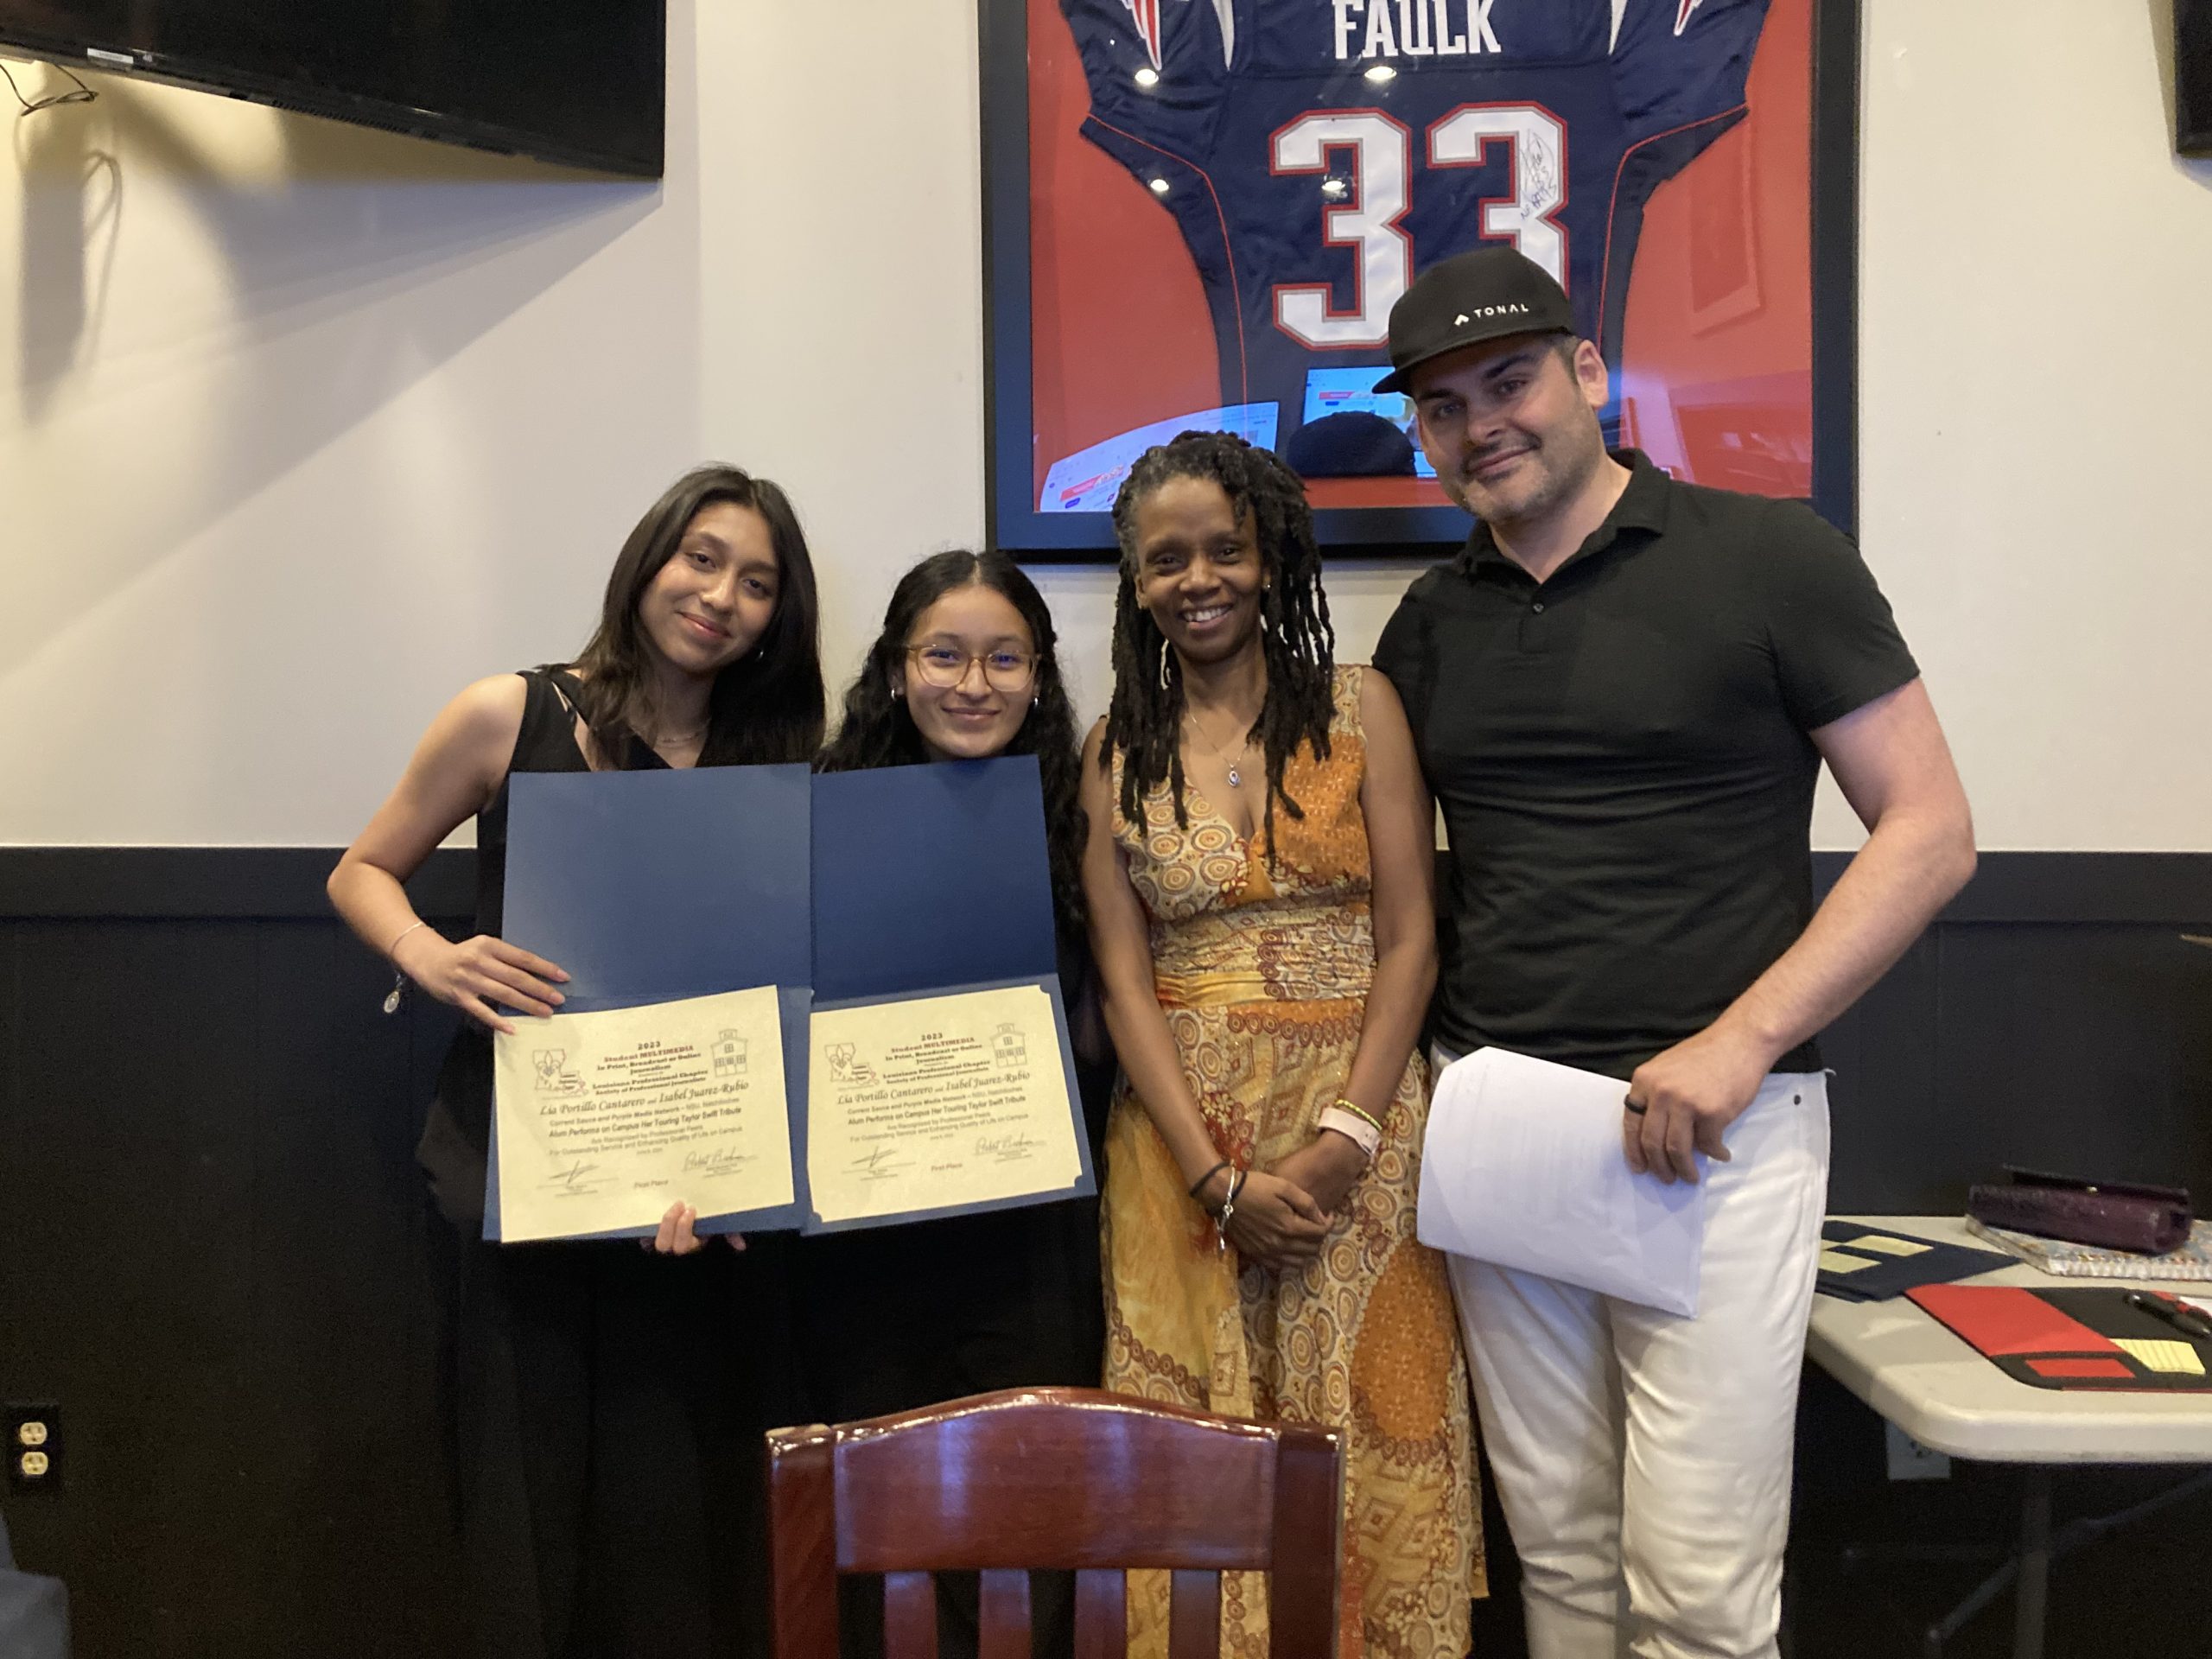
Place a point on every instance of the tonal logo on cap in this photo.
(1508, 308)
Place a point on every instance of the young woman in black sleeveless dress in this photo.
(609, 1481)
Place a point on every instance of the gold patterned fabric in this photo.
(1263, 977)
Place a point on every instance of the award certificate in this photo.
(935, 1102)
(605, 1119)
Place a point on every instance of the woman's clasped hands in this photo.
(1281, 1216)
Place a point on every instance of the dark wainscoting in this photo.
(2056, 1016)
(215, 1253)
(216, 1257)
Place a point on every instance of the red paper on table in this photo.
(2092, 1339)
(2083, 1367)
(2007, 1319)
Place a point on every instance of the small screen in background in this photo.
(1347, 392)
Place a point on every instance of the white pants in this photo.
(1643, 1459)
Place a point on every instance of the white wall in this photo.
(2036, 336)
(303, 427)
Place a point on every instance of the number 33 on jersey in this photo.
(1316, 154)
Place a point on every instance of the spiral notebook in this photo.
(2193, 1261)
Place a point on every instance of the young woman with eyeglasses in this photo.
(894, 1318)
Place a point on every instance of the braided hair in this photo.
(1144, 722)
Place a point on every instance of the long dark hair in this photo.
(765, 707)
(878, 728)
(1144, 722)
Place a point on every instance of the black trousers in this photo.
(608, 1425)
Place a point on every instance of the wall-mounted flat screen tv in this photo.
(2193, 77)
(573, 81)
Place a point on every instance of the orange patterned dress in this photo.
(1262, 976)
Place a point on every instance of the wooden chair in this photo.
(1055, 1477)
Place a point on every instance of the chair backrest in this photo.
(1055, 1477)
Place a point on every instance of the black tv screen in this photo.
(574, 81)
(2193, 77)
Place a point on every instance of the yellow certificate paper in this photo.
(937, 1102)
(605, 1119)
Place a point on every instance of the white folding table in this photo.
(1939, 1391)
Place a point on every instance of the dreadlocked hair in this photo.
(1144, 722)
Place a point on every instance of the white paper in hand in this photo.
(1523, 1167)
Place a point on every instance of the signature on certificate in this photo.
(576, 1177)
(882, 1164)
(1011, 1148)
(719, 1161)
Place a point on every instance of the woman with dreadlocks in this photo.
(1259, 880)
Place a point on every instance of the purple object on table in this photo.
(2115, 1214)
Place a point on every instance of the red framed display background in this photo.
(1737, 366)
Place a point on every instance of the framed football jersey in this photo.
(1198, 212)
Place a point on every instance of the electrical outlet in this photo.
(1910, 1460)
(33, 1429)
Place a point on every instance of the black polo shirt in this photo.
(1622, 757)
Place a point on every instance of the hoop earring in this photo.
(1165, 652)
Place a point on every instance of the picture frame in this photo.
(1734, 364)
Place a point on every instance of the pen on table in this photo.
(2186, 1320)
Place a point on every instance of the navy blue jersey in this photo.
(1317, 153)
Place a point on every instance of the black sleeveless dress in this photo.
(452, 1150)
(607, 1419)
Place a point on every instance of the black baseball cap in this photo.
(1468, 298)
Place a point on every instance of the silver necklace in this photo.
(1235, 780)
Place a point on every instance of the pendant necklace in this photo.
(1234, 781)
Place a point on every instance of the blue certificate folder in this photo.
(931, 880)
(651, 886)
(848, 889)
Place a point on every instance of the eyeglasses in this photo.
(946, 666)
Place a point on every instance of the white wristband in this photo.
(1353, 1127)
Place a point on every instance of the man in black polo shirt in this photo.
(1622, 691)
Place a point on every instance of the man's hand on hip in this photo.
(1681, 1103)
